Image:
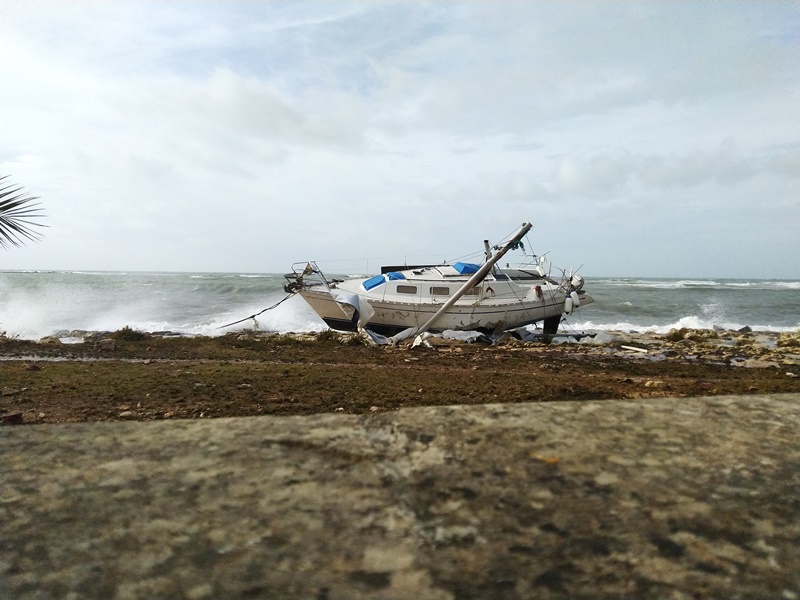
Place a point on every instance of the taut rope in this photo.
(258, 313)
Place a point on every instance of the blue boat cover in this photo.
(466, 268)
(374, 282)
(393, 275)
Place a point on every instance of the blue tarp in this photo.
(466, 268)
(374, 282)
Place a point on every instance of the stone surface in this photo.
(663, 498)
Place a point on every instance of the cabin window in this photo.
(440, 291)
(473, 291)
(406, 289)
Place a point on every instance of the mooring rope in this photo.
(258, 313)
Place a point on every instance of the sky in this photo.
(642, 139)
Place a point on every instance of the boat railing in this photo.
(301, 270)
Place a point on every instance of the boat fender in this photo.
(568, 305)
(539, 292)
(576, 300)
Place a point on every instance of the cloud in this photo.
(244, 136)
(604, 174)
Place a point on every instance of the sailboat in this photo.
(460, 296)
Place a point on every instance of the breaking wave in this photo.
(690, 322)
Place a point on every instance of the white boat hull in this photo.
(459, 296)
(393, 317)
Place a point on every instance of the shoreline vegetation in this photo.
(131, 375)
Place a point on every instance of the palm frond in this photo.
(17, 208)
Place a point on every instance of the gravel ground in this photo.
(129, 376)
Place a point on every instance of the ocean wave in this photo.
(677, 284)
(293, 316)
(665, 284)
(690, 322)
(696, 283)
(789, 285)
(220, 276)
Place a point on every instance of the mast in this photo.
(476, 278)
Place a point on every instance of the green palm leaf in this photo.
(17, 208)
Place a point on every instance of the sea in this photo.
(37, 304)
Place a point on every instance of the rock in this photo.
(755, 363)
(655, 383)
(440, 342)
(106, 344)
(13, 392)
(128, 414)
(13, 419)
(50, 340)
(676, 335)
(745, 329)
(701, 335)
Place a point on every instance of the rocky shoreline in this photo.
(130, 375)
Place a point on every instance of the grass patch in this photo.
(126, 334)
(329, 335)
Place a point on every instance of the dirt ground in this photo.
(127, 375)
